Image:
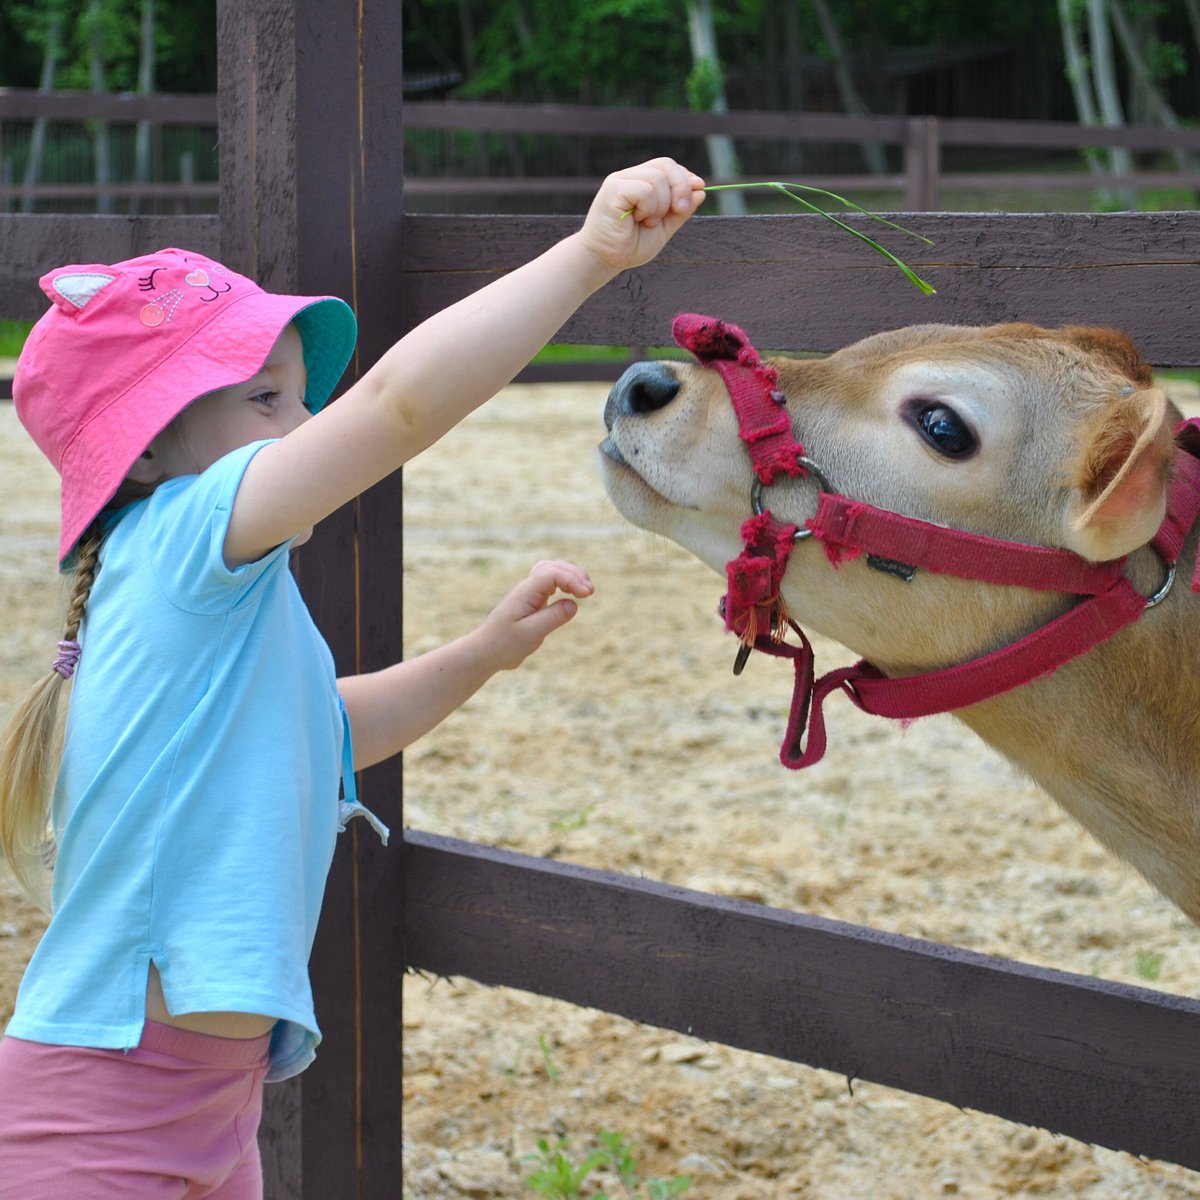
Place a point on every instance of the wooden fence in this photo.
(922, 141)
(121, 108)
(312, 201)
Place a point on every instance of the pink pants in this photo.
(175, 1119)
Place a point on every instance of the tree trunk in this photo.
(1160, 112)
(1193, 12)
(852, 101)
(722, 156)
(466, 25)
(1104, 78)
(37, 143)
(145, 86)
(1080, 81)
(1077, 69)
(99, 128)
(794, 82)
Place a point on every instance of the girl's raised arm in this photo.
(452, 363)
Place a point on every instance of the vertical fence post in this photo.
(312, 202)
(922, 164)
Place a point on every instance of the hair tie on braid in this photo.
(68, 657)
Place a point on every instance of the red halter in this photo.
(755, 611)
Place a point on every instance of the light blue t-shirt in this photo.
(197, 805)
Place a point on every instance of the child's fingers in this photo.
(539, 624)
(645, 198)
(687, 188)
(550, 576)
(652, 190)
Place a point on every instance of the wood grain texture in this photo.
(814, 127)
(1103, 1062)
(798, 283)
(310, 106)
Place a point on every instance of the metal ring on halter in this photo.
(1162, 592)
(756, 492)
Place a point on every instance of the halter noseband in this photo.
(754, 609)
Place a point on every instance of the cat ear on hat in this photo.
(71, 288)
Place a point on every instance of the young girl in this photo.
(196, 804)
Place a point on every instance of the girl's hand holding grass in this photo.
(790, 190)
(637, 210)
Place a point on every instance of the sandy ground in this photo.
(627, 744)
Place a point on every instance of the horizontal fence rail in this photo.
(1106, 1063)
(922, 140)
(162, 108)
(797, 283)
(23, 109)
(1136, 272)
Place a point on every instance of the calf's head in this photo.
(1045, 437)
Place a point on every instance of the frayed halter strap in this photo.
(754, 609)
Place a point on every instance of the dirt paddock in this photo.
(627, 744)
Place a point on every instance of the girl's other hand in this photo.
(523, 620)
(637, 211)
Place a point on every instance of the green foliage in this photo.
(703, 85)
(618, 1154)
(550, 50)
(1148, 964)
(568, 820)
(185, 42)
(12, 337)
(558, 1177)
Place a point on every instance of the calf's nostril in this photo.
(644, 388)
(652, 393)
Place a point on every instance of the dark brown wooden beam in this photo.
(1102, 1062)
(162, 108)
(311, 174)
(798, 283)
(158, 191)
(813, 127)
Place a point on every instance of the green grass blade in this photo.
(786, 188)
(804, 187)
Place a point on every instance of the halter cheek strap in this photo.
(754, 609)
(752, 606)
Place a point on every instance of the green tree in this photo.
(185, 43)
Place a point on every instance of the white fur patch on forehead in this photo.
(80, 288)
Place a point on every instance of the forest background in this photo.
(769, 54)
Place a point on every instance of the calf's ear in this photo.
(1120, 484)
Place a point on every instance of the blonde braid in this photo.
(31, 749)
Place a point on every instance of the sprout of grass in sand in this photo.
(790, 190)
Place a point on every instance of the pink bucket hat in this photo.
(125, 348)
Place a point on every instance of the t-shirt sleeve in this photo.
(188, 520)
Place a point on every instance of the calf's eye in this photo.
(945, 430)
